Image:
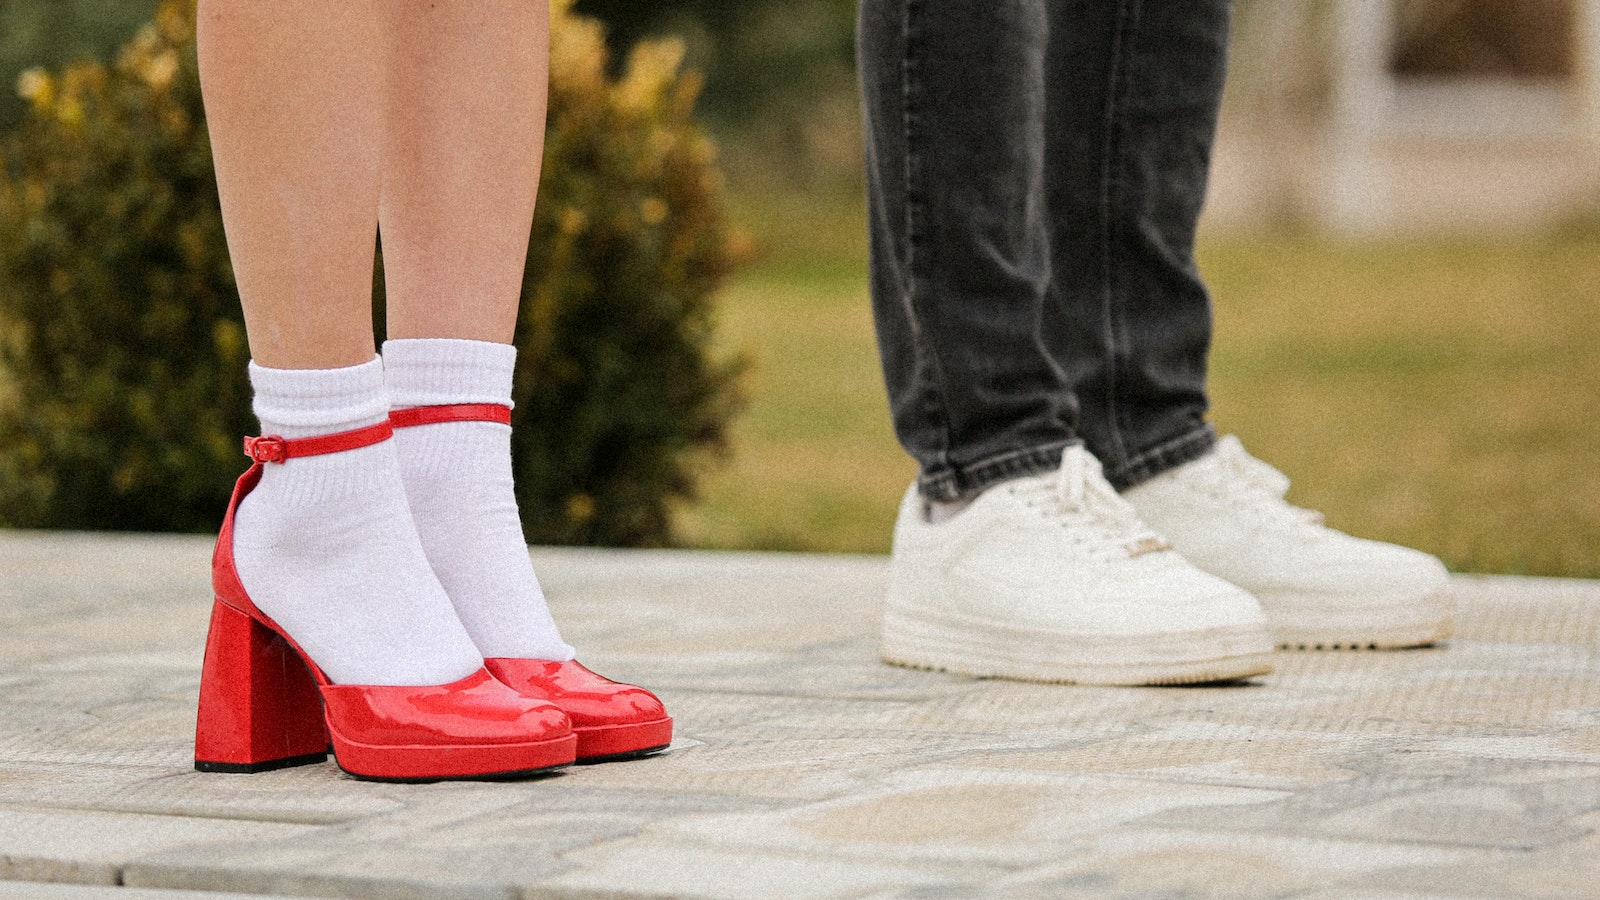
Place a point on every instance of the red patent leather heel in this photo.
(265, 705)
(259, 708)
(612, 720)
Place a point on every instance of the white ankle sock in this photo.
(459, 483)
(937, 512)
(326, 547)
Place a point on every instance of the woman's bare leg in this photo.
(463, 140)
(291, 96)
(324, 544)
(461, 154)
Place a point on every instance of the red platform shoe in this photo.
(612, 720)
(260, 707)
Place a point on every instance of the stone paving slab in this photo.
(803, 767)
(36, 890)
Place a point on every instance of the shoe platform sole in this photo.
(313, 758)
(609, 743)
(1414, 622)
(512, 775)
(924, 640)
(621, 757)
(452, 763)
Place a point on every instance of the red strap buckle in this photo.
(450, 412)
(275, 449)
(266, 449)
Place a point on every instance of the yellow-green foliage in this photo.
(122, 344)
(122, 351)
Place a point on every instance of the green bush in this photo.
(759, 56)
(780, 85)
(122, 351)
(54, 32)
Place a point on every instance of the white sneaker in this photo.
(1320, 588)
(1054, 578)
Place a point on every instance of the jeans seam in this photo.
(933, 403)
(1112, 315)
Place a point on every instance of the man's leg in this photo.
(955, 115)
(1133, 92)
(1134, 88)
(1047, 575)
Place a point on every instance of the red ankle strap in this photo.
(454, 412)
(271, 448)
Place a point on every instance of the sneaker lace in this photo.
(1082, 502)
(1254, 486)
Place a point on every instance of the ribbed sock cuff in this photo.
(297, 403)
(439, 371)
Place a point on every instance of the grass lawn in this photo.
(1440, 393)
(815, 465)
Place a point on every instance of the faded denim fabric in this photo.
(1035, 170)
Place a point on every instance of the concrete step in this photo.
(804, 767)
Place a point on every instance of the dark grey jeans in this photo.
(1035, 169)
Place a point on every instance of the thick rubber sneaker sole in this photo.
(1415, 622)
(922, 639)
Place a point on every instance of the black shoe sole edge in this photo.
(201, 765)
(620, 757)
(313, 758)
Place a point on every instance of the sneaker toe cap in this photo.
(1363, 568)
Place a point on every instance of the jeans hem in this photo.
(1163, 457)
(975, 478)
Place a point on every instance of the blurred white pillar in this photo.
(1363, 90)
(1587, 56)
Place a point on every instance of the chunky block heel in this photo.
(265, 705)
(259, 707)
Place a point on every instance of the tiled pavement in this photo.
(803, 766)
